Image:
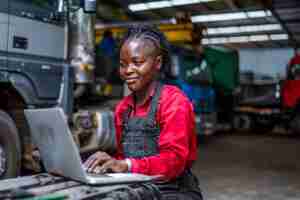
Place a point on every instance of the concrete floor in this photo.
(249, 167)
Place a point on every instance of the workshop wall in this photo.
(266, 61)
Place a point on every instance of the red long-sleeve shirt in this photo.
(177, 140)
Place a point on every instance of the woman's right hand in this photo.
(94, 162)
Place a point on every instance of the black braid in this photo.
(157, 38)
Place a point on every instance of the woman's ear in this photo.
(158, 62)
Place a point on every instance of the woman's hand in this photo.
(93, 163)
(101, 162)
(114, 165)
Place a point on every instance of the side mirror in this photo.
(89, 6)
(60, 7)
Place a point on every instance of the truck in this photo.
(269, 104)
(46, 60)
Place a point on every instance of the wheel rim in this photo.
(2, 160)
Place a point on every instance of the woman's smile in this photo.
(131, 80)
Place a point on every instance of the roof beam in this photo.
(279, 4)
(231, 4)
(268, 5)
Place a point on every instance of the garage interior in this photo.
(233, 57)
(258, 164)
(237, 164)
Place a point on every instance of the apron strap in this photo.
(126, 116)
(154, 104)
(153, 107)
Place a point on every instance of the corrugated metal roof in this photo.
(284, 12)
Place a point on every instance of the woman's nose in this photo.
(130, 68)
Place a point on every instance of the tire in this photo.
(295, 124)
(242, 122)
(263, 127)
(10, 148)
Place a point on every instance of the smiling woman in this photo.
(155, 124)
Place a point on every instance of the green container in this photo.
(218, 67)
(224, 68)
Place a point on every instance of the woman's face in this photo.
(139, 64)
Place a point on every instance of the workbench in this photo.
(50, 187)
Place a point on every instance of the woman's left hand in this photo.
(113, 165)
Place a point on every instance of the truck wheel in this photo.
(263, 126)
(295, 124)
(242, 123)
(10, 148)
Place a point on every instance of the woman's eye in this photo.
(138, 63)
(122, 65)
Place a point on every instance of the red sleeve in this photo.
(176, 119)
(118, 128)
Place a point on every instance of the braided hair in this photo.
(157, 38)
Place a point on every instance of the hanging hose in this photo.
(79, 90)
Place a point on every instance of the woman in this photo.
(155, 125)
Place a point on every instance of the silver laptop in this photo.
(59, 153)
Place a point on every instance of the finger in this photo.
(107, 165)
(92, 158)
(99, 162)
(97, 170)
(89, 161)
(93, 165)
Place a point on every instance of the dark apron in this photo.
(140, 139)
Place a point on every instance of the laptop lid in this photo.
(50, 132)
